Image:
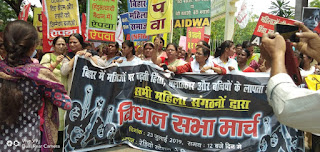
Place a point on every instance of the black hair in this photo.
(246, 44)
(161, 39)
(302, 61)
(148, 43)
(247, 51)
(222, 48)
(205, 44)
(116, 44)
(19, 38)
(56, 39)
(80, 38)
(175, 46)
(238, 45)
(130, 44)
(205, 50)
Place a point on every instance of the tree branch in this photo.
(15, 5)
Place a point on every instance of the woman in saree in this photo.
(201, 64)
(26, 88)
(53, 62)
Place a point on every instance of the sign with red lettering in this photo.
(194, 35)
(102, 19)
(63, 18)
(266, 24)
(140, 106)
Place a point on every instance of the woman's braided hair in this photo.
(19, 38)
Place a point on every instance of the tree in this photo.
(315, 3)
(217, 33)
(82, 6)
(177, 32)
(6, 14)
(281, 8)
(15, 5)
(240, 35)
(245, 34)
(123, 6)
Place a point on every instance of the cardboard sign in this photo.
(266, 25)
(194, 35)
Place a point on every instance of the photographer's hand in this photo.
(309, 42)
(273, 48)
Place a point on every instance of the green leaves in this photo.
(315, 3)
(6, 14)
(281, 8)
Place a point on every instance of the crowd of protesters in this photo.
(17, 52)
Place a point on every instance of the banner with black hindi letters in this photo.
(146, 109)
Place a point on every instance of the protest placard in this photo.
(266, 24)
(159, 17)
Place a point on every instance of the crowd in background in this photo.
(228, 58)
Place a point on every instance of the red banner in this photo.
(97, 35)
(194, 35)
(23, 15)
(266, 25)
(47, 43)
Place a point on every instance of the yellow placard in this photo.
(313, 82)
(37, 23)
(62, 14)
(159, 17)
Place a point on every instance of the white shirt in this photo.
(231, 62)
(295, 107)
(305, 73)
(135, 61)
(196, 67)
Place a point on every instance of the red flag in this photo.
(47, 43)
(23, 15)
(84, 27)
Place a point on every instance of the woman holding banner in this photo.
(76, 45)
(128, 53)
(200, 64)
(148, 48)
(172, 57)
(223, 54)
(27, 88)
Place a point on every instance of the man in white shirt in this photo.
(295, 107)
